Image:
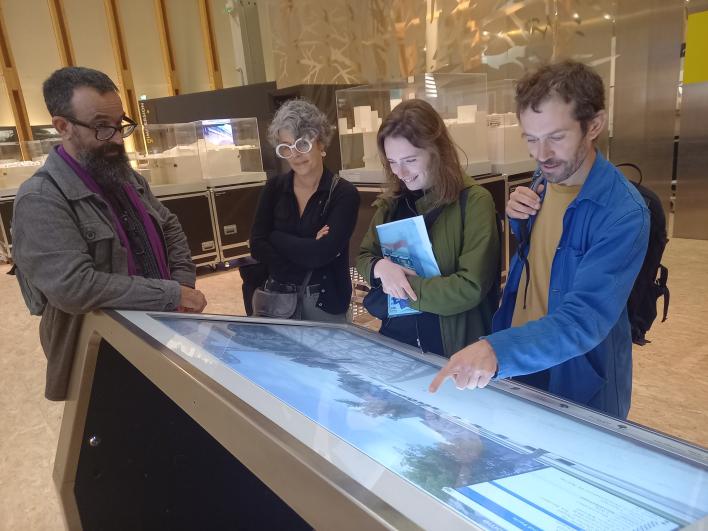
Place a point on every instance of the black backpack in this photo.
(650, 283)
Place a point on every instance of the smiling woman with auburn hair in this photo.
(425, 178)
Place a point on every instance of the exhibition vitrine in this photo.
(170, 155)
(508, 151)
(230, 151)
(461, 100)
(19, 160)
(208, 172)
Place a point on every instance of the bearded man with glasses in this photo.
(87, 231)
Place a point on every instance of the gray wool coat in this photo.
(70, 261)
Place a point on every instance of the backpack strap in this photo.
(463, 207)
(634, 167)
(524, 240)
(463, 214)
(495, 291)
(664, 289)
(332, 186)
(432, 216)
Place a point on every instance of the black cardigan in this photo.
(286, 242)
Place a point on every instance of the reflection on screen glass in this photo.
(44, 132)
(370, 396)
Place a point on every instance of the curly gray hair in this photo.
(302, 119)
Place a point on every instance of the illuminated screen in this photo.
(501, 461)
(218, 134)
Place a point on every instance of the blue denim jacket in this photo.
(585, 339)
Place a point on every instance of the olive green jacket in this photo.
(466, 294)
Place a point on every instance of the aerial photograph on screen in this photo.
(363, 392)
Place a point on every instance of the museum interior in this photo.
(220, 421)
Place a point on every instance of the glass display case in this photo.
(44, 132)
(37, 150)
(508, 151)
(13, 172)
(461, 100)
(170, 154)
(6, 208)
(230, 151)
(189, 157)
(352, 409)
(13, 169)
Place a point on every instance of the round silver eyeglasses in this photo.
(288, 151)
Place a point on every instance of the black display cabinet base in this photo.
(234, 210)
(194, 212)
(145, 464)
(6, 206)
(149, 441)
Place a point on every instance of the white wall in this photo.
(221, 23)
(186, 33)
(6, 117)
(33, 42)
(88, 28)
(31, 36)
(144, 50)
(266, 39)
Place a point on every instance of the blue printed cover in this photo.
(406, 243)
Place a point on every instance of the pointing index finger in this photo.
(439, 378)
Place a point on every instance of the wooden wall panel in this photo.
(12, 83)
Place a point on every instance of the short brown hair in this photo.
(570, 81)
(60, 86)
(417, 121)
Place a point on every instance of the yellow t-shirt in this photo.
(545, 237)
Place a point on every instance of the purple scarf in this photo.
(154, 239)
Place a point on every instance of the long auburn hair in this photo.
(417, 121)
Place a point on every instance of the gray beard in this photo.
(109, 171)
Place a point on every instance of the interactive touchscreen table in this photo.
(365, 445)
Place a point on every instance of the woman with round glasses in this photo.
(425, 178)
(305, 218)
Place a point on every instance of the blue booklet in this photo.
(406, 243)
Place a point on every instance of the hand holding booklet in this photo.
(406, 243)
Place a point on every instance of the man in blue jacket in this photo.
(562, 325)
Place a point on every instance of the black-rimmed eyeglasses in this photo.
(105, 132)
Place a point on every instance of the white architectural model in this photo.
(176, 165)
(13, 170)
(14, 173)
(218, 160)
(204, 153)
(367, 123)
(508, 151)
(469, 133)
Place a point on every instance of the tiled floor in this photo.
(670, 382)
